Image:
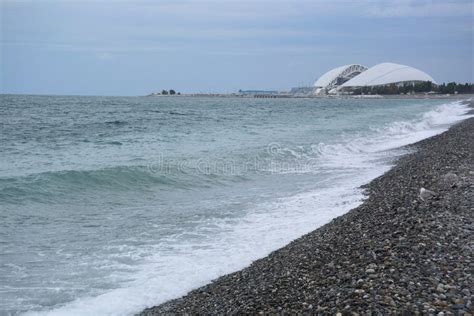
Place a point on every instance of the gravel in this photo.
(393, 254)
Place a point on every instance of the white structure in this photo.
(337, 76)
(387, 73)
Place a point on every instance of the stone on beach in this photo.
(450, 179)
(426, 195)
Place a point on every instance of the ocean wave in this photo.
(356, 151)
(393, 135)
(48, 185)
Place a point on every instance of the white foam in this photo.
(176, 266)
(395, 135)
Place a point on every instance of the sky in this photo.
(198, 46)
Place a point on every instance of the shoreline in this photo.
(394, 253)
(319, 97)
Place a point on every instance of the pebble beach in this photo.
(398, 252)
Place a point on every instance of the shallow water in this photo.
(109, 205)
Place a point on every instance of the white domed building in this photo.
(388, 73)
(350, 77)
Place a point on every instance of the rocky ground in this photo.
(396, 253)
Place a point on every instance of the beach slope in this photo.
(396, 252)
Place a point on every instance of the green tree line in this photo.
(419, 87)
(171, 92)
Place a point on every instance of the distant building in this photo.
(347, 78)
(257, 92)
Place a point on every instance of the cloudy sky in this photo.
(136, 47)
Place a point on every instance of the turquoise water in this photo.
(112, 204)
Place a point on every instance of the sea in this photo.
(109, 205)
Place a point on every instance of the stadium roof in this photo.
(346, 71)
(387, 73)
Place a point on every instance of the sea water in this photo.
(109, 205)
